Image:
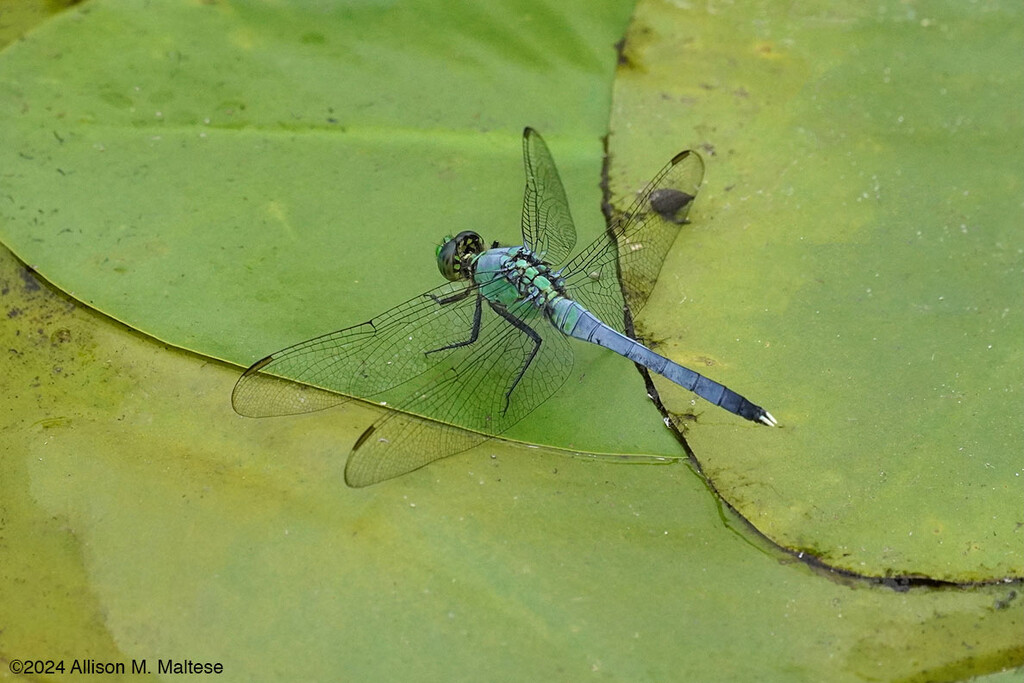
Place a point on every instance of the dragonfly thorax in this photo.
(456, 255)
(512, 277)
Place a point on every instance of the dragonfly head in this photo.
(455, 256)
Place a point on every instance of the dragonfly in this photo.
(465, 361)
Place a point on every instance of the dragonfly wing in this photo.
(548, 229)
(369, 360)
(633, 251)
(592, 278)
(474, 390)
(399, 443)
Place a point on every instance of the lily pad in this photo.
(142, 520)
(853, 265)
(305, 193)
(127, 538)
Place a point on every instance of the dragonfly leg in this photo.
(477, 314)
(458, 296)
(529, 332)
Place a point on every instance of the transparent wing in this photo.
(470, 390)
(369, 360)
(548, 229)
(633, 250)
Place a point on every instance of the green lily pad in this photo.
(141, 520)
(232, 217)
(305, 193)
(128, 538)
(853, 265)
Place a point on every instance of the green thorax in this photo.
(514, 275)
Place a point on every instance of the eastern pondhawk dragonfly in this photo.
(483, 350)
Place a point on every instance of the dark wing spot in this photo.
(363, 437)
(668, 203)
